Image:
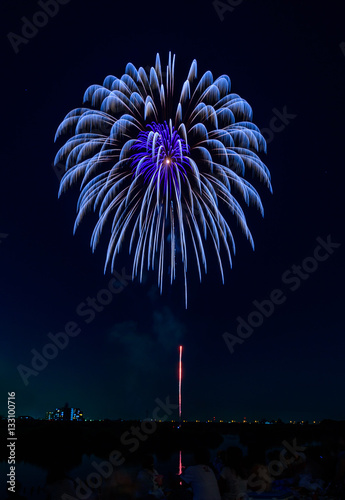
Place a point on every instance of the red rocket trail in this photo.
(180, 385)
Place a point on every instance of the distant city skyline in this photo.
(65, 413)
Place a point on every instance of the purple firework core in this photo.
(162, 156)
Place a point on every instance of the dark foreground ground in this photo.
(283, 451)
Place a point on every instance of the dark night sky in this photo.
(279, 55)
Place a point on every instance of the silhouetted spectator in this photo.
(337, 484)
(340, 467)
(16, 495)
(232, 485)
(201, 477)
(219, 462)
(119, 486)
(149, 482)
(58, 484)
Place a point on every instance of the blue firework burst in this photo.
(167, 169)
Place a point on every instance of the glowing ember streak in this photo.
(179, 386)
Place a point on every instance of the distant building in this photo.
(65, 414)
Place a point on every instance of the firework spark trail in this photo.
(163, 168)
(180, 385)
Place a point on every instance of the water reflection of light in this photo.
(180, 386)
(180, 463)
(180, 466)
